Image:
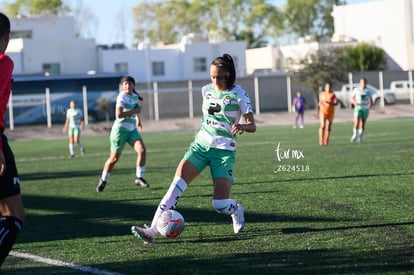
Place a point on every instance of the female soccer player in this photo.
(73, 125)
(214, 145)
(299, 105)
(125, 130)
(362, 100)
(327, 102)
(11, 206)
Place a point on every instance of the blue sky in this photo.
(109, 11)
(112, 15)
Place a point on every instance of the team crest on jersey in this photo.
(227, 100)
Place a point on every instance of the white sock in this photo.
(140, 171)
(170, 199)
(226, 206)
(361, 135)
(355, 132)
(71, 149)
(105, 175)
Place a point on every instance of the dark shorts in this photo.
(9, 182)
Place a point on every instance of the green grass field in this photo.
(340, 209)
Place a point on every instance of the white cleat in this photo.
(238, 219)
(145, 234)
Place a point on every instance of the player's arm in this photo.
(247, 111)
(248, 126)
(334, 100)
(6, 70)
(65, 126)
(353, 100)
(2, 163)
(322, 100)
(120, 113)
(138, 123)
(370, 102)
(82, 122)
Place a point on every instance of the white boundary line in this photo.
(62, 264)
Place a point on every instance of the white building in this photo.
(387, 23)
(49, 45)
(184, 61)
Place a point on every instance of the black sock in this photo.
(9, 227)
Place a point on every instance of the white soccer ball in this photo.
(170, 224)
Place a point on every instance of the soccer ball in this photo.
(170, 224)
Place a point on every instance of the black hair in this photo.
(132, 80)
(4, 24)
(128, 78)
(226, 62)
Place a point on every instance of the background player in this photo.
(125, 130)
(327, 102)
(73, 125)
(362, 101)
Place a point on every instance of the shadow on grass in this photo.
(284, 262)
(312, 261)
(73, 218)
(64, 218)
(297, 230)
(327, 178)
(79, 173)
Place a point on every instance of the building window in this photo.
(51, 68)
(158, 68)
(21, 34)
(200, 64)
(121, 67)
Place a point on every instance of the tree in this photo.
(168, 21)
(325, 65)
(364, 57)
(36, 7)
(86, 22)
(311, 18)
(332, 64)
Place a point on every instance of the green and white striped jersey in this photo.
(362, 97)
(75, 117)
(127, 102)
(220, 111)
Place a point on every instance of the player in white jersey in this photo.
(125, 130)
(73, 125)
(214, 145)
(362, 101)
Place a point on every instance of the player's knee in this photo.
(141, 150)
(112, 160)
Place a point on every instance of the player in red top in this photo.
(11, 206)
(327, 102)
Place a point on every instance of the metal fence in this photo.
(163, 100)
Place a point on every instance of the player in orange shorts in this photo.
(327, 102)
